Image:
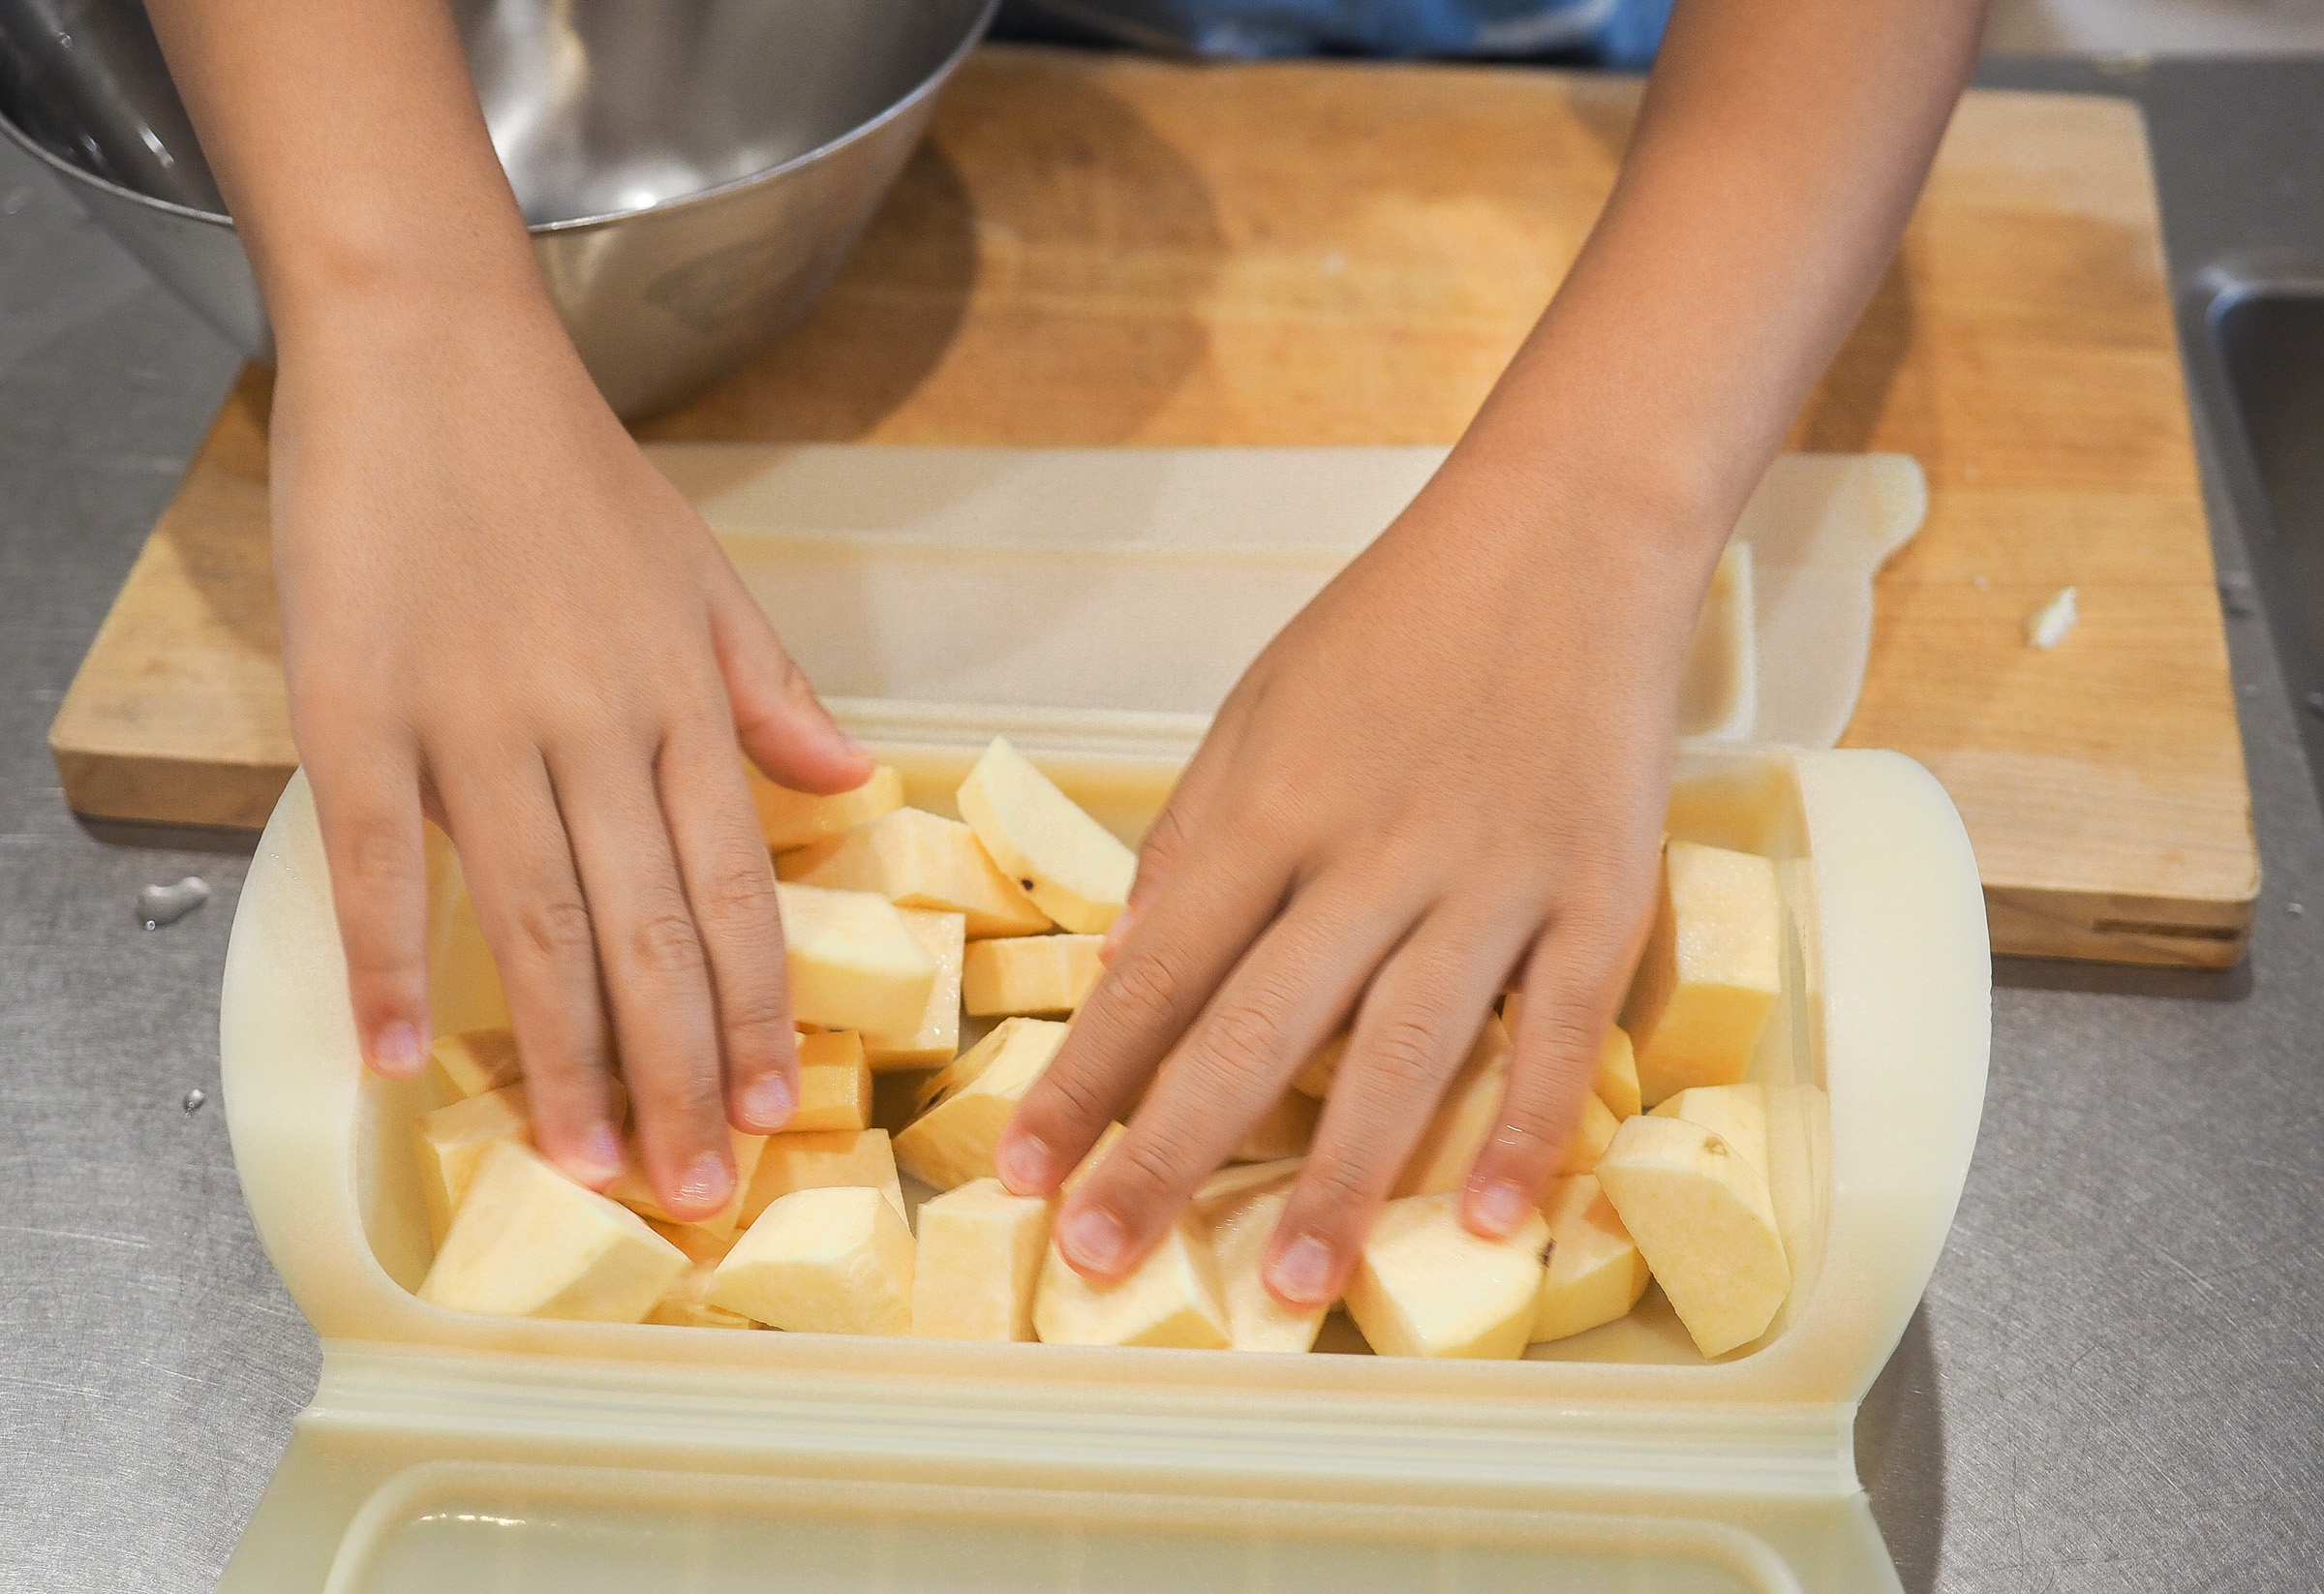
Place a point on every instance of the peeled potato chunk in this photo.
(1170, 1299)
(1285, 1131)
(789, 818)
(1617, 1080)
(528, 1242)
(1241, 1227)
(979, 1262)
(452, 1142)
(1232, 1183)
(1429, 1287)
(686, 1304)
(1711, 970)
(853, 964)
(916, 859)
(1702, 1219)
(1029, 974)
(952, 1143)
(819, 1159)
(478, 1060)
(633, 1191)
(837, 1260)
(937, 1040)
(1075, 869)
(1595, 1272)
(1736, 1114)
(835, 1083)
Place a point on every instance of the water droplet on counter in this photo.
(194, 1098)
(2293, 909)
(160, 904)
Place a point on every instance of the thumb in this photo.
(778, 718)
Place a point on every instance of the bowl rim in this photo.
(903, 105)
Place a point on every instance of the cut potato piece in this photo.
(1595, 1272)
(1241, 1226)
(1170, 1299)
(937, 1040)
(1711, 970)
(1315, 1079)
(835, 1083)
(979, 1261)
(853, 964)
(1073, 869)
(837, 1260)
(789, 818)
(1701, 1217)
(920, 860)
(1736, 1114)
(821, 1160)
(452, 1142)
(478, 1060)
(1429, 1287)
(952, 1142)
(1617, 1080)
(633, 1191)
(1285, 1131)
(528, 1242)
(685, 1305)
(1029, 974)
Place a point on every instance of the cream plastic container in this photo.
(450, 1450)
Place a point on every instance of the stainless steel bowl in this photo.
(694, 171)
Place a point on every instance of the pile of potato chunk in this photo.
(901, 923)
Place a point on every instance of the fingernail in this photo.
(1024, 1165)
(708, 1182)
(395, 1051)
(769, 1103)
(1094, 1238)
(1500, 1207)
(850, 742)
(602, 1155)
(1304, 1274)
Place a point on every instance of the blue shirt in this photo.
(1614, 33)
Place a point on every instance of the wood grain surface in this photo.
(1113, 250)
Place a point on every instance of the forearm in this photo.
(350, 148)
(1775, 157)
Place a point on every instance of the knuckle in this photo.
(555, 929)
(755, 1021)
(1404, 1056)
(1147, 1165)
(1075, 1096)
(1144, 989)
(1333, 1191)
(737, 899)
(665, 942)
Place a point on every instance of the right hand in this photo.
(497, 613)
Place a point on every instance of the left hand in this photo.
(1450, 770)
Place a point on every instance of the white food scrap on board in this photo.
(2050, 625)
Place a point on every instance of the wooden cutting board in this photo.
(1104, 249)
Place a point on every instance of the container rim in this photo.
(901, 105)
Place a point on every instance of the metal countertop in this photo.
(2114, 1381)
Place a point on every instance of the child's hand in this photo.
(497, 612)
(1447, 773)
